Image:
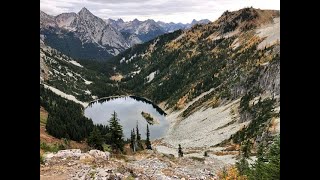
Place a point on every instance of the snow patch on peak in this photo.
(122, 60)
(150, 77)
(87, 82)
(75, 63)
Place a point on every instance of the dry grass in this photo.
(43, 116)
(231, 173)
(223, 153)
(182, 101)
(168, 172)
(233, 147)
(116, 77)
(87, 160)
(273, 125)
(215, 102)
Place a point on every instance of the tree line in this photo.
(136, 142)
(65, 118)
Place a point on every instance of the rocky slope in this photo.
(74, 164)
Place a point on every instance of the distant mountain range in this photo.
(149, 29)
(83, 35)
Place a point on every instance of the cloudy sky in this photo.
(164, 10)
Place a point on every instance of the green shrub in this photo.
(106, 147)
(51, 148)
(206, 154)
(41, 159)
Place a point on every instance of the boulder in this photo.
(99, 154)
(107, 155)
(68, 153)
(48, 155)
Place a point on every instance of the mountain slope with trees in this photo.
(86, 81)
(220, 78)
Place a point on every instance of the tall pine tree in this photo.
(138, 142)
(133, 141)
(95, 139)
(138, 134)
(148, 143)
(116, 133)
(180, 153)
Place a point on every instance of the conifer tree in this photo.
(138, 134)
(148, 143)
(138, 140)
(95, 139)
(133, 141)
(180, 153)
(116, 133)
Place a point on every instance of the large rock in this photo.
(68, 153)
(48, 155)
(99, 154)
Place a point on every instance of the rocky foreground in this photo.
(148, 164)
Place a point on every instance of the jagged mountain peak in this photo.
(46, 20)
(135, 21)
(85, 12)
(120, 20)
(44, 15)
(150, 21)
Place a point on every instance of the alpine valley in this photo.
(214, 86)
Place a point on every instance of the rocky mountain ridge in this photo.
(83, 35)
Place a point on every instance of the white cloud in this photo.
(165, 10)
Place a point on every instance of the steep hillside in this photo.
(71, 80)
(211, 77)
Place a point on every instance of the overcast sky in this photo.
(164, 10)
